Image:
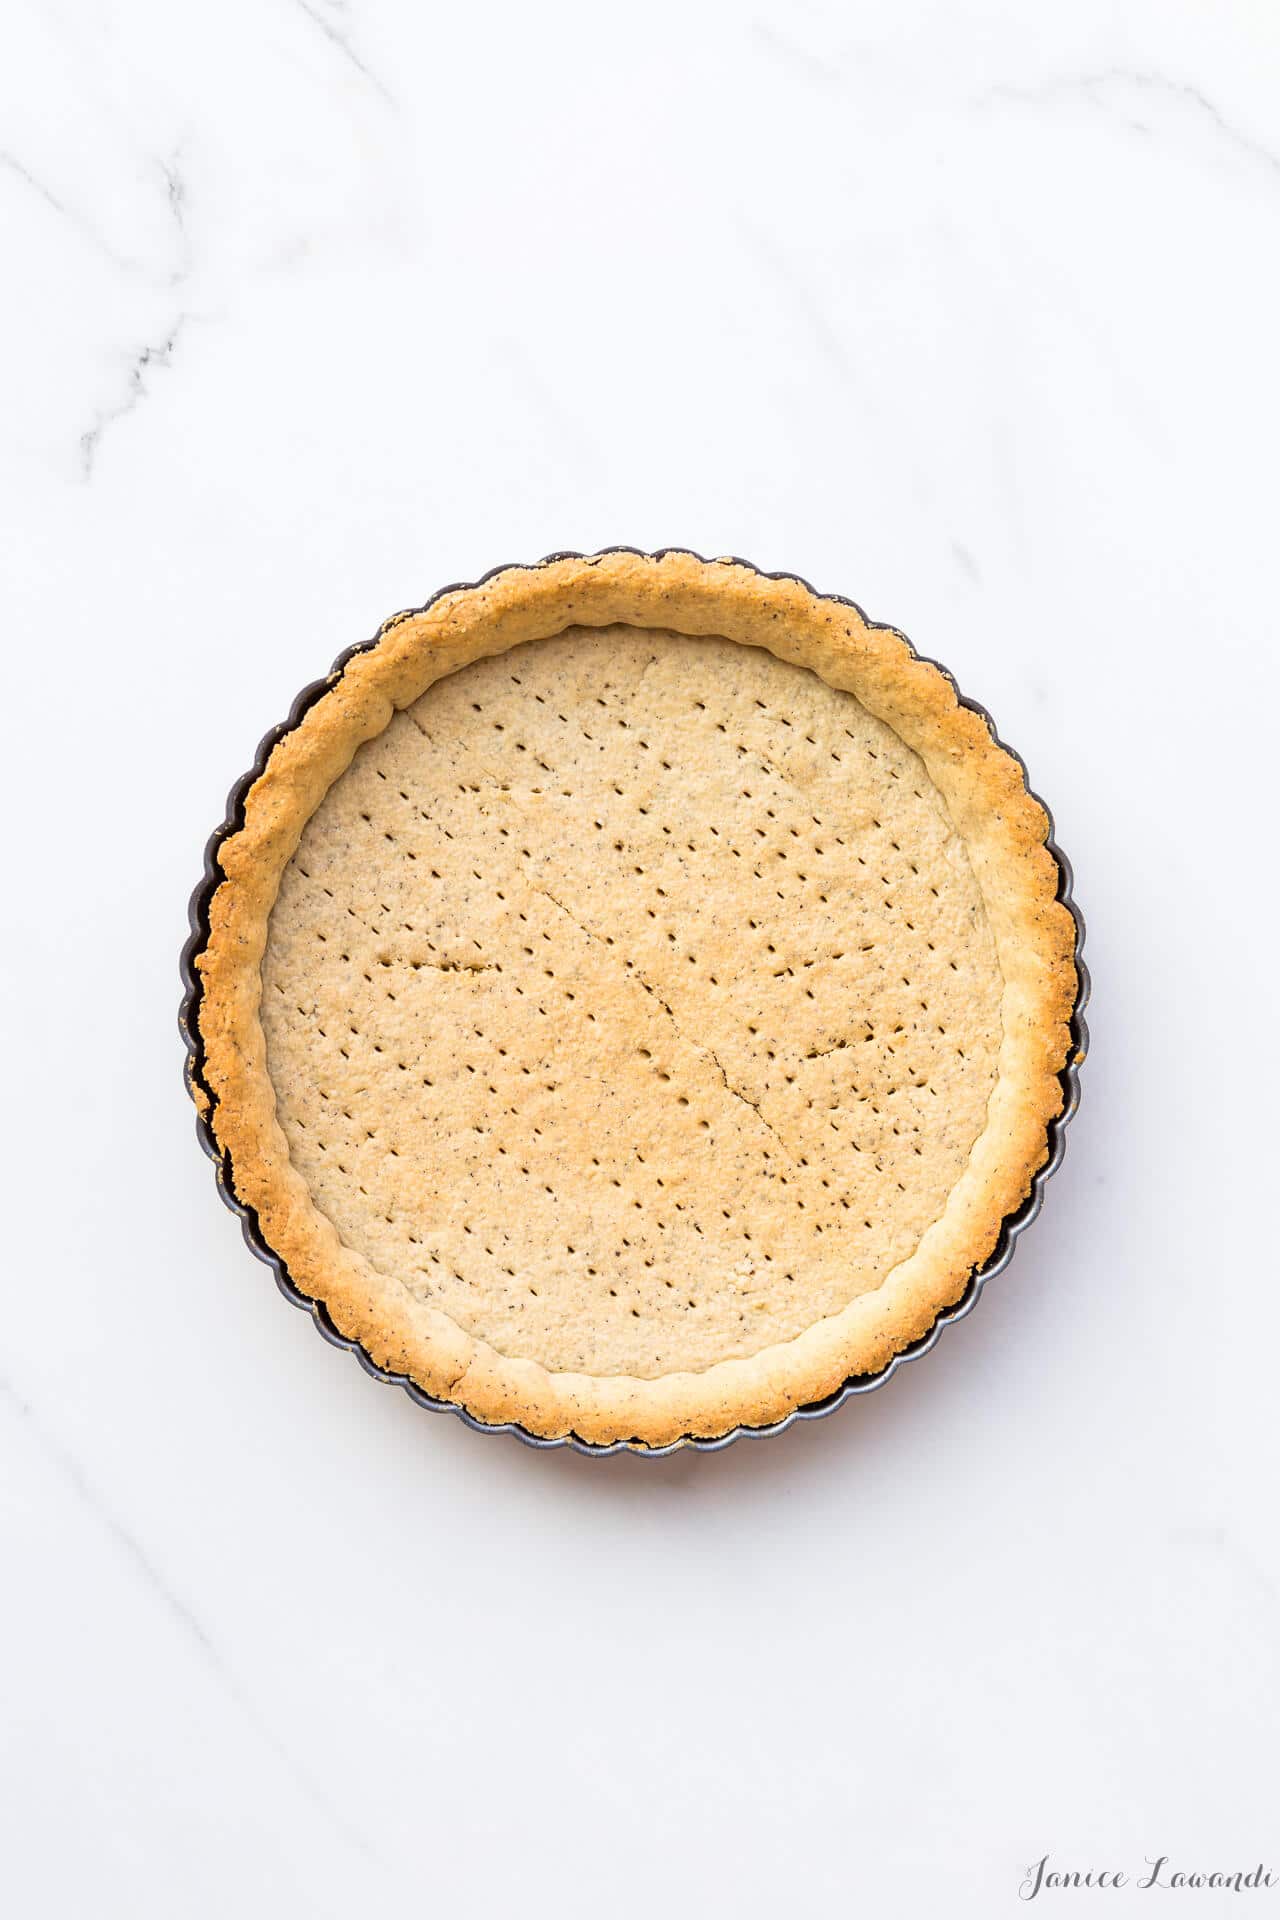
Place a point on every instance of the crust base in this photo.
(1004, 830)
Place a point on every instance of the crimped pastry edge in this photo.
(1005, 829)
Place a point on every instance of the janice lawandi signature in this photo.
(1159, 1871)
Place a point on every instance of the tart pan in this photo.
(1014, 1224)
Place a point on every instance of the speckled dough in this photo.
(632, 1000)
(623, 1028)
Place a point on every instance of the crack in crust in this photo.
(699, 1047)
(982, 787)
(747, 1101)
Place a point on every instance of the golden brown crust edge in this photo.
(1004, 828)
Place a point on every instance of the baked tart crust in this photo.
(733, 1008)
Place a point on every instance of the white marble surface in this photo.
(968, 311)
